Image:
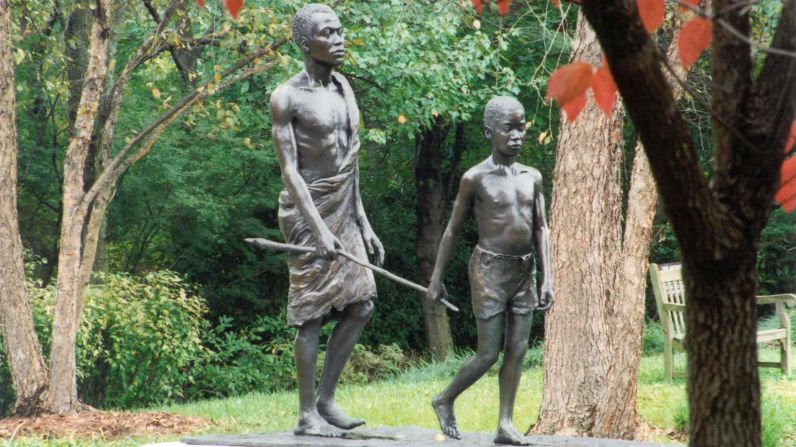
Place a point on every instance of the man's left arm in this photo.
(542, 239)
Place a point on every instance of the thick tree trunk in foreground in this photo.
(73, 258)
(23, 352)
(585, 225)
(432, 199)
(717, 225)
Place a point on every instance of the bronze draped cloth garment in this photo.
(319, 286)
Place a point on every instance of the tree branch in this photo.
(120, 163)
(109, 108)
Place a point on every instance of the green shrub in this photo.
(257, 358)
(370, 363)
(137, 338)
(653, 337)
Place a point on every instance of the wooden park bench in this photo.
(667, 284)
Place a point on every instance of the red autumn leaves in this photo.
(568, 84)
(233, 6)
(503, 6)
(786, 196)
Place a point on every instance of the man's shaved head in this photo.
(302, 21)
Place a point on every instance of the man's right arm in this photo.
(447, 244)
(287, 153)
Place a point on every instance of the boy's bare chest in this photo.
(509, 191)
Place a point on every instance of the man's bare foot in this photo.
(446, 417)
(335, 416)
(508, 435)
(313, 424)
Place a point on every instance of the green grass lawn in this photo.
(404, 400)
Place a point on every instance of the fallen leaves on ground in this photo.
(101, 424)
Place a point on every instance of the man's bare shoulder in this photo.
(282, 96)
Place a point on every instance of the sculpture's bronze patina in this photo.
(316, 136)
(506, 198)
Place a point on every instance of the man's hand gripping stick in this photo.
(265, 244)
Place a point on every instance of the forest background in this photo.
(180, 307)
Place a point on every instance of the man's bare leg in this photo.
(341, 342)
(490, 341)
(310, 423)
(517, 331)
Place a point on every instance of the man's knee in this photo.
(361, 310)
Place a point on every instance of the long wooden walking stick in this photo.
(265, 244)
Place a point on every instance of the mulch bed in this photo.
(101, 424)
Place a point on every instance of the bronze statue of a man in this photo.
(506, 198)
(316, 136)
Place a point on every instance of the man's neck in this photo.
(320, 75)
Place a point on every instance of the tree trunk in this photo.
(585, 225)
(432, 199)
(28, 373)
(617, 416)
(723, 350)
(71, 260)
(76, 50)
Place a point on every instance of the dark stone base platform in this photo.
(399, 437)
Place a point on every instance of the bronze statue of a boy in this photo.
(316, 136)
(506, 198)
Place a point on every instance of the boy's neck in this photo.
(499, 159)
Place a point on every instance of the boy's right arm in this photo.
(287, 153)
(447, 244)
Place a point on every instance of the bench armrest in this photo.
(669, 307)
(787, 298)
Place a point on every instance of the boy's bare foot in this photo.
(508, 435)
(446, 417)
(313, 424)
(335, 416)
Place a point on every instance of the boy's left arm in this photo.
(542, 239)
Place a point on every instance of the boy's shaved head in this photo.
(497, 107)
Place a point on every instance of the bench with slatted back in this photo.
(669, 290)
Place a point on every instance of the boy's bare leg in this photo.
(517, 331)
(306, 354)
(490, 342)
(338, 349)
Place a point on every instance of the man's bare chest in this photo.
(321, 112)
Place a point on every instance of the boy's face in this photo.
(509, 133)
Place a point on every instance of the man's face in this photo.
(509, 133)
(326, 43)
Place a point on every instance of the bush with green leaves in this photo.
(137, 338)
(256, 358)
